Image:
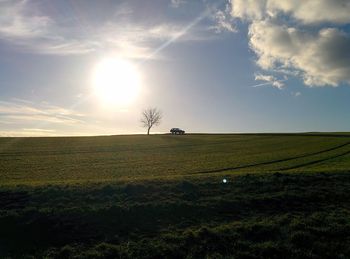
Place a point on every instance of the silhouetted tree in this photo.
(151, 117)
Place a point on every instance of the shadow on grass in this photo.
(252, 216)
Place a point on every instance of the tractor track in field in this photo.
(315, 161)
(283, 160)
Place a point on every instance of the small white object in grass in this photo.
(224, 180)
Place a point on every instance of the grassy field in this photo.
(163, 196)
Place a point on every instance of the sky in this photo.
(209, 66)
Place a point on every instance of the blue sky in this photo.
(209, 66)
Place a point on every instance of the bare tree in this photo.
(151, 117)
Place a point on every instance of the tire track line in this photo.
(315, 161)
(274, 161)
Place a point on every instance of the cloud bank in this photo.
(306, 38)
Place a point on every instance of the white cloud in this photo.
(269, 80)
(248, 9)
(306, 11)
(313, 11)
(322, 58)
(299, 38)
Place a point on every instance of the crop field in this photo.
(64, 160)
(164, 196)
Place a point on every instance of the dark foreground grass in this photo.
(276, 215)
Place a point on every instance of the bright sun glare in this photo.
(116, 81)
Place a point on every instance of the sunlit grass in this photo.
(125, 158)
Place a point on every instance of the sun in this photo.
(116, 81)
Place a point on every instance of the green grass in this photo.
(162, 196)
(112, 158)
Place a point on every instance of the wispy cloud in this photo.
(24, 24)
(177, 3)
(223, 21)
(18, 111)
(269, 80)
(39, 130)
(31, 30)
(23, 118)
(27, 133)
(296, 94)
(16, 25)
(144, 42)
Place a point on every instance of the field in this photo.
(163, 196)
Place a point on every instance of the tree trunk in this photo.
(148, 130)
